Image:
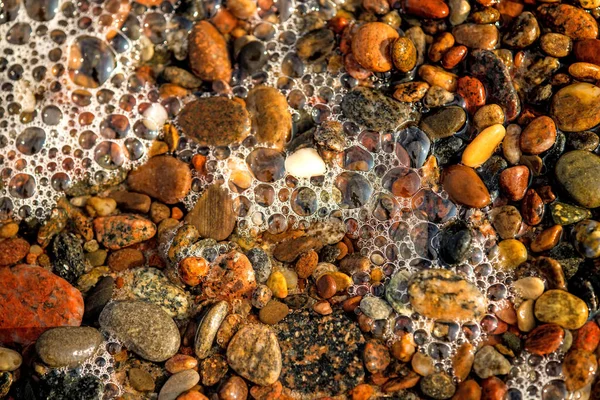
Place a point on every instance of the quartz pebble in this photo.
(305, 163)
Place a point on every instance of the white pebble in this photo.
(25, 96)
(155, 117)
(305, 163)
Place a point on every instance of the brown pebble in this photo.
(234, 389)
(430, 9)
(579, 368)
(410, 92)
(465, 187)
(242, 9)
(209, 58)
(538, 136)
(125, 259)
(532, 208)
(404, 54)
(323, 307)
(556, 44)
(376, 356)
(349, 305)
(273, 312)
(547, 239)
(131, 201)
(180, 362)
(468, 390)
(165, 178)
(440, 45)
(306, 264)
(514, 182)
(544, 339)
(13, 250)
(213, 214)
(454, 56)
(371, 46)
(269, 392)
(493, 388)
(326, 287)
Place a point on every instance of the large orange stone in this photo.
(33, 300)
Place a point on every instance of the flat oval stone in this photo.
(118, 231)
(561, 308)
(208, 327)
(152, 285)
(465, 187)
(443, 123)
(165, 178)
(207, 48)
(214, 121)
(477, 36)
(271, 119)
(178, 383)
(443, 295)
(213, 214)
(538, 136)
(576, 107)
(254, 354)
(144, 328)
(34, 300)
(10, 360)
(68, 346)
(375, 308)
(577, 172)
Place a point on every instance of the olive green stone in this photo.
(567, 214)
(578, 171)
(562, 308)
(444, 123)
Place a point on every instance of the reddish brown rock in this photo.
(493, 388)
(538, 136)
(547, 239)
(468, 390)
(234, 389)
(587, 337)
(465, 187)
(125, 259)
(569, 20)
(116, 232)
(472, 91)
(34, 300)
(376, 356)
(271, 119)
(372, 44)
(544, 339)
(208, 54)
(454, 56)
(289, 250)
(130, 201)
(405, 382)
(230, 277)
(430, 9)
(164, 178)
(404, 54)
(192, 270)
(326, 286)
(12, 251)
(462, 362)
(476, 36)
(514, 182)
(588, 50)
(306, 264)
(532, 208)
(213, 214)
(269, 392)
(579, 367)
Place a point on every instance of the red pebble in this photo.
(587, 337)
(432, 9)
(493, 388)
(472, 90)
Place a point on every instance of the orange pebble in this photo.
(119, 282)
(199, 163)
(192, 395)
(176, 213)
(192, 270)
(224, 21)
(362, 392)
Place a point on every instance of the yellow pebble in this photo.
(585, 71)
(376, 275)
(278, 285)
(436, 76)
(483, 146)
(511, 254)
(9, 230)
(342, 281)
(171, 137)
(157, 148)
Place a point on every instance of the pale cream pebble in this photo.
(305, 163)
(155, 116)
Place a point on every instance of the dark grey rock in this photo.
(67, 257)
(98, 297)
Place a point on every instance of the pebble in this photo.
(289, 250)
(556, 44)
(506, 220)
(585, 140)
(123, 259)
(476, 36)
(271, 119)
(562, 308)
(568, 20)
(180, 362)
(547, 239)
(483, 146)
(493, 388)
(326, 286)
(305, 163)
(177, 384)
(441, 44)
(422, 364)
(465, 187)
(216, 121)
(230, 277)
(261, 263)
(68, 346)
(376, 356)
(544, 339)
(404, 54)
(185, 236)
(437, 96)
(579, 368)
(529, 288)
(213, 214)
(455, 243)
(140, 380)
(374, 110)
(575, 171)
(525, 316)
(456, 299)
(261, 296)
(255, 355)
(454, 56)
(316, 45)
(459, 11)
(430, 9)
(10, 360)
(192, 270)
(489, 362)
(532, 208)
(116, 232)
(131, 201)
(587, 50)
(511, 254)
(278, 284)
(524, 30)
(462, 361)
(67, 257)
(438, 386)
(273, 312)
(488, 115)
(242, 9)
(98, 296)
(234, 389)
(213, 369)
(181, 77)
(444, 122)
(152, 285)
(468, 390)
(437, 76)
(164, 178)
(375, 307)
(538, 136)
(12, 251)
(495, 76)
(208, 54)
(514, 182)
(472, 91)
(587, 337)
(587, 238)
(9, 230)
(576, 107)
(35, 300)
(144, 328)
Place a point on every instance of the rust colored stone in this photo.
(538, 136)
(493, 388)
(547, 239)
(473, 91)
(12, 251)
(465, 187)
(468, 390)
(116, 232)
(569, 20)
(306, 264)
(164, 178)
(587, 337)
(376, 356)
(208, 54)
(544, 339)
(454, 56)
(372, 44)
(514, 182)
(270, 392)
(192, 270)
(230, 277)
(532, 208)
(587, 50)
(579, 368)
(125, 258)
(430, 9)
(326, 286)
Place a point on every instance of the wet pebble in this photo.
(273, 312)
(208, 54)
(67, 346)
(477, 36)
(576, 107)
(514, 182)
(208, 327)
(579, 367)
(376, 356)
(375, 308)
(404, 54)
(116, 232)
(444, 122)
(523, 31)
(538, 136)
(10, 360)
(575, 171)
(561, 308)
(544, 339)
(587, 238)
(465, 187)
(489, 362)
(140, 380)
(213, 214)
(177, 384)
(438, 386)
(506, 221)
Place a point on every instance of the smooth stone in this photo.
(514, 182)
(208, 327)
(525, 316)
(444, 122)
(375, 307)
(569, 20)
(579, 368)
(151, 285)
(538, 136)
(271, 119)
(67, 257)
(507, 221)
(530, 287)
(98, 296)
(163, 177)
(511, 254)
(305, 163)
(416, 145)
(556, 44)
(544, 339)
(488, 115)
(441, 294)
(34, 300)
(396, 290)
(140, 380)
(230, 277)
(68, 346)
(576, 171)
(207, 48)
(404, 54)
(477, 36)
(213, 214)
(489, 362)
(438, 386)
(483, 146)
(273, 312)
(261, 264)
(372, 46)
(465, 187)
(585, 140)
(462, 361)
(587, 238)
(215, 121)
(376, 111)
(438, 77)
(254, 354)
(376, 356)
(10, 360)
(455, 243)
(178, 383)
(524, 30)
(587, 50)
(144, 328)
(576, 107)
(561, 308)
(429, 9)
(12, 251)
(493, 73)
(116, 232)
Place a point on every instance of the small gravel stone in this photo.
(489, 362)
